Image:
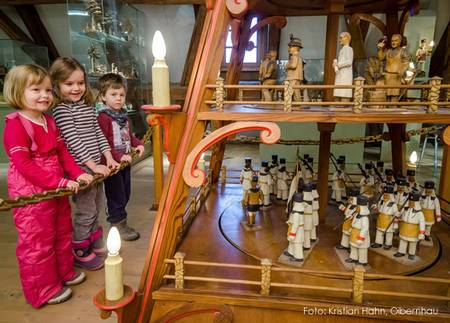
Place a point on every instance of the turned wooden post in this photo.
(288, 93)
(266, 266)
(358, 94)
(158, 168)
(358, 284)
(433, 94)
(223, 173)
(331, 46)
(179, 269)
(324, 163)
(220, 94)
(192, 209)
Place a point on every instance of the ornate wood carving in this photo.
(218, 313)
(194, 177)
(237, 8)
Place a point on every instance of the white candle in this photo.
(160, 72)
(113, 267)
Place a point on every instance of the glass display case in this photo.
(107, 36)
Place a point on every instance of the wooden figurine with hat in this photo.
(388, 179)
(294, 66)
(387, 211)
(401, 192)
(412, 227)
(430, 207)
(252, 201)
(380, 178)
(264, 181)
(367, 181)
(359, 233)
(338, 186)
(412, 184)
(295, 233)
(349, 213)
(309, 174)
(308, 215)
(273, 169)
(282, 179)
(246, 176)
(315, 205)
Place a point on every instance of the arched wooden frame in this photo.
(194, 177)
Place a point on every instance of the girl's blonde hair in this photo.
(61, 70)
(20, 77)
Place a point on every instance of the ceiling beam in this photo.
(12, 30)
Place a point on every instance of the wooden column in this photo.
(397, 135)
(392, 22)
(274, 38)
(330, 54)
(324, 162)
(158, 168)
(444, 185)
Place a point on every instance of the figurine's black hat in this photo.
(310, 159)
(401, 181)
(265, 163)
(274, 158)
(282, 160)
(380, 163)
(254, 178)
(414, 196)
(388, 189)
(307, 188)
(313, 185)
(248, 160)
(410, 172)
(429, 184)
(353, 191)
(295, 42)
(342, 157)
(305, 156)
(340, 161)
(368, 166)
(362, 200)
(388, 172)
(298, 197)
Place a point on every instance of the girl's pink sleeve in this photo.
(17, 145)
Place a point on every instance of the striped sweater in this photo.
(81, 132)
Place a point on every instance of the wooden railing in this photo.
(429, 98)
(357, 278)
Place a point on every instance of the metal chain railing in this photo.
(21, 201)
(343, 141)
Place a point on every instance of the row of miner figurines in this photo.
(391, 66)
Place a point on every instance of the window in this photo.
(250, 56)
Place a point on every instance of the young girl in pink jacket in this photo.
(40, 161)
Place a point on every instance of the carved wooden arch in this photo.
(195, 177)
(355, 19)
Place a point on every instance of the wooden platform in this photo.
(205, 242)
(404, 114)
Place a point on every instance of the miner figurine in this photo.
(367, 182)
(359, 233)
(246, 176)
(252, 201)
(349, 213)
(387, 212)
(388, 179)
(308, 200)
(282, 179)
(264, 181)
(338, 185)
(315, 205)
(401, 194)
(430, 207)
(412, 227)
(412, 184)
(273, 169)
(295, 234)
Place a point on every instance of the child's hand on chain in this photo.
(101, 169)
(140, 150)
(126, 158)
(72, 185)
(86, 178)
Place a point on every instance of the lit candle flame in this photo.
(113, 242)
(158, 46)
(413, 157)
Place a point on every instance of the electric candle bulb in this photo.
(158, 46)
(113, 242)
(432, 43)
(413, 157)
(411, 65)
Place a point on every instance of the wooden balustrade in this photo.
(357, 279)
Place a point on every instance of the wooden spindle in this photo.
(433, 95)
(358, 284)
(358, 94)
(266, 266)
(179, 270)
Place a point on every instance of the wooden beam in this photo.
(36, 28)
(397, 134)
(324, 163)
(274, 38)
(200, 15)
(330, 53)
(12, 30)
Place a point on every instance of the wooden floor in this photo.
(251, 112)
(14, 309)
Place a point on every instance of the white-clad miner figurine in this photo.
(367, 183)
(401, 194)
(412, 184)
(264, 181)
(338, 185)
(315, 195)
(388, 179)
(252, 201)
(246, 176)
(412, 227)
(295, 233)
(343, 68)
(379, 181)
(349, 212)
(309, 174)
(387, 211)
(308, 215)
(296, 185)
(359, 233)
(274, 173)
(282, 185)
(430, 207)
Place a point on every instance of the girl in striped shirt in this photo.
(75, 116)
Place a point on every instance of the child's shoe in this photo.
(63, 295)
(84, 258)
(126, 233)
(76, 280)
(97, 244)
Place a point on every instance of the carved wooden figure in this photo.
(274, 173)
(422, 52)
(282, 178)
(246, 176)
(343, 67)
(252, 200)
(359, 233)
(401, 192)
(367, 182)
(387, 210)
(349, 212)
(315, 195)
(430, 207)
(338, 185)
(308, 215)
(412, 184)
(388, 179)
(412, 227)
(264, 181)
(295, 234)
(294, 66)
(268, 74)
(380, 178)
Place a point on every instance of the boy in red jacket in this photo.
(115, 125)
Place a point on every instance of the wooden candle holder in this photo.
(106, 306)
